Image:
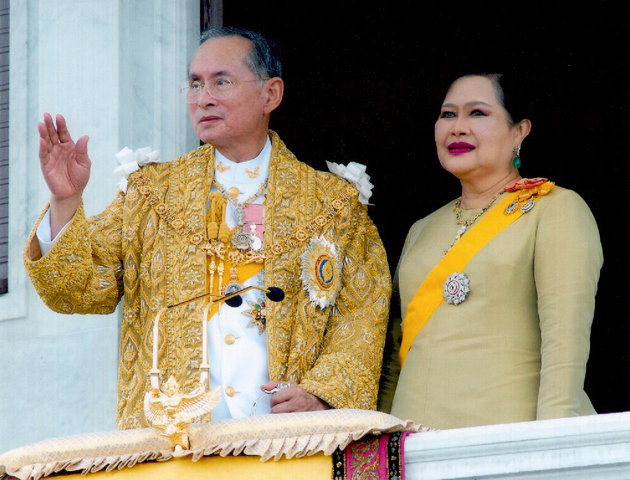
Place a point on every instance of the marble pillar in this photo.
(113, 69)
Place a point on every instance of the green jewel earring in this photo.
(516, 163)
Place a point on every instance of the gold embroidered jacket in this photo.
(145, 248)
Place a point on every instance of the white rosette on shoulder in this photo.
(355, 173)
(131, 161)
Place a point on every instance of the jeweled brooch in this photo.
(258, 315)
(321, 271)
(456, 288)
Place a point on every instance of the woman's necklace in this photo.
(240, 238)
(467, 223)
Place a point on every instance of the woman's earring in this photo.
(516, 163)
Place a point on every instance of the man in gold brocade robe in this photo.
(240, 210)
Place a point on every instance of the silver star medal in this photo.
(456, 288)
(240, 238)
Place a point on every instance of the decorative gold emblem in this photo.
(171, 412)
(196, 238)
(253, 173)
(221, 168)
(321, 271)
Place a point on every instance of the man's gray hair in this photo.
(263, 59)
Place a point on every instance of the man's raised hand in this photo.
(66, 169)
(65, 165)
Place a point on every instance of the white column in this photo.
(112, 68)
(160, 38)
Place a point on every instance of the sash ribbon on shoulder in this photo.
(429, 295)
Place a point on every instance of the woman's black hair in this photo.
(511, 94)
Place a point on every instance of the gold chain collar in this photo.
(473, 219)
(153, 196)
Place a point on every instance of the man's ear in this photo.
(274, 89)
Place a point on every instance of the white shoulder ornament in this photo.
(355, 173)
(321, 272)
(131, 161)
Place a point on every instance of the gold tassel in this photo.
(224, 234)
(213, 227)
(224, 231)
(217, 204)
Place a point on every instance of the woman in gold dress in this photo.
(496, 288)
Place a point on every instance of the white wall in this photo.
(113, 69)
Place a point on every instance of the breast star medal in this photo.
(258, 315)
(456, 288)
(321, 272)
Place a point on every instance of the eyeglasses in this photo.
(219, 89)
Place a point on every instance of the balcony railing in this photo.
(585, 448)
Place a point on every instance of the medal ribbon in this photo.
(429, 295)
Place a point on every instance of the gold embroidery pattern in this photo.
(221, 168)
(155, 231)
(253, 173)
(284, 245)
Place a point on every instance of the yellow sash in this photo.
(429, 296)
(245, 272)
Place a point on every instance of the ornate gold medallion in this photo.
(321, 271)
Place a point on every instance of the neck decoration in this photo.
(467, 223)
(241, 239)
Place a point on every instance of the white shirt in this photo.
(240, 366)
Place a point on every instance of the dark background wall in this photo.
(364, 83)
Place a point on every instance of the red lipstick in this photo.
(459, 148)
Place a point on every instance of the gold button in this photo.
(234, 192)
(230, 339)
(229, 391)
